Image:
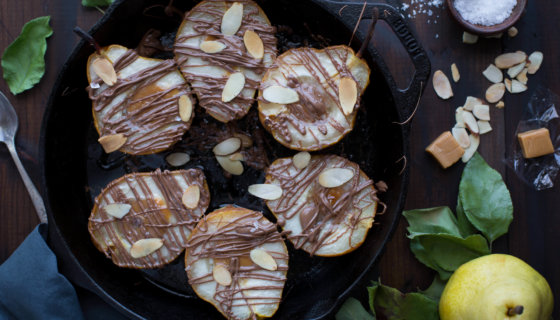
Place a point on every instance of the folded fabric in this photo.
(31, 286)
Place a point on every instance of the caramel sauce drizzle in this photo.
(150, 217)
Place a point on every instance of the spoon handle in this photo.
(35, 196)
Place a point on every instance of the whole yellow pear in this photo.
(496, 287)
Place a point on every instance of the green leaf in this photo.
(96, 3)
(352, 309)
(445, 253)
(394, 305)
(23, 61)
(438, 220)
(485, 198)
(435, 289)
(463, 223)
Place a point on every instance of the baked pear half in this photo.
(309, 99)
(326, 207)
(140, 105)
(223, 49)
(143, 220)
(237, 260)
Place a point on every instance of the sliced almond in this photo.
(263, 259)
(246, 141)
(281, 95)
(212, 46)
(522, 76)
(265, 191)
(508, 60)
(515, 70)
(112, 142)
(469, 152)
(117, 210)
(482, 112)
(254, 44)
(144, 247)
(234, 85)
(512, 32)
(231, 21)
(185, 108)
(227, 146)
(455, 73)
(335, 177)
(238, 156)
(484, 126)
(517, 87)
(507, 84)
(103, 68)
(471, 102)
(234, 167)
(221, 275)
(462, 137)
(460, 122)
(178, 159)
(500, 104)
(495, 92)
(493, 74)
(470, 121)
(301, 159)
(191, 197)
(469, 38)
(347, 94)
(442, 85)
(535, 61)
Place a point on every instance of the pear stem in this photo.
(515, 310)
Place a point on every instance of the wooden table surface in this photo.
(533, 236)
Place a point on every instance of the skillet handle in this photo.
(349, 13)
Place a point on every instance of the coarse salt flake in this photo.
(484, 12)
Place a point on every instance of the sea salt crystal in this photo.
(484, 12)
(414, 8)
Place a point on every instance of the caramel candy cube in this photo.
(446, 150)
(535, 143)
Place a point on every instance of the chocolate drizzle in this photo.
(323, 211)
(227, 236)
(137, 107)
(202, 23)
(157, 212)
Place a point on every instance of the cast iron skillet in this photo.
(75, 168)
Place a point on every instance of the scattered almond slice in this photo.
(507, 84)
(493, 74)
(335, 177)
(469, 152)
(535, 61)
(234, 85)
(231, 21)
(263, 259)
(470, 121)
(455, 73)
(301, 159)
(280, 95)
(495, 92)
(482, 112)
(500, 104)
(112, 142)
(522, 76)
(212, 46)
(515, 70)
(471, 102)
(234, 167)
(238, 156)
(512, 32)
(254, 44)
(227, 146)
(103, 68)
(191, 197)
(178, 159)
(442, 85)
(484, 126)
(508, 60)
(469, 38)
(117, 210)
(246, 141)
(185, 108)
(144, 247)
(517, 87)
(221, 275)
(460, 122)
(266, 191)
(462, 137)
(347, 94)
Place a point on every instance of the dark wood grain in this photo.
(533, 235)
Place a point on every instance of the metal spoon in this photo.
(8, 129)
